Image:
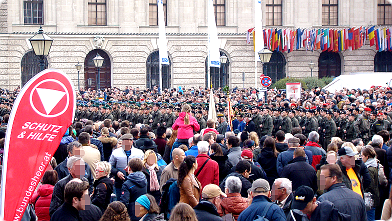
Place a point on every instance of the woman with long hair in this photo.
(183, 212)
(153, 174)
(43, 195)
(216, 154)
(168, 149)
(147, 208)
(267, 159)
(116, 211)
(185, 124)
(190, 187)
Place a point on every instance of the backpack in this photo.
(262, 216)
(170, 196)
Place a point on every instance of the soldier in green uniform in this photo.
(266, 124)
(171, 117)
(378, 125)
(286, 125)
(156, 115)
(310, 123)
(277, 121)
(363, 125)
(329, 129)
(294, 120)
(222, 124)
(351, 132)
(200, 119)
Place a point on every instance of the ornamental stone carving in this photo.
(98, 42)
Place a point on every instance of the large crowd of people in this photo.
(146, 155)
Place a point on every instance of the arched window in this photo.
(30, 66)
(329, 64)
(383, 61)
(276, 67)
(219, 76)
(91, 72)
(153, 72)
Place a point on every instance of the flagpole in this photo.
(160, 76)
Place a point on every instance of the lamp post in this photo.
(41, 44)
(78, 67)
(265, 56)
(98, 61)
(311, 66)
(223, 61)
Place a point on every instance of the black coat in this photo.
(250, 126)
(156, 194)
(66, 212)
(91, 213)
(245, 184)
(205, 210)
(224, 166)
(300, 173)
(103, 188)
(267, 161)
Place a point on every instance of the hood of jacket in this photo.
(108, 182)
(67, 139)
(371, 162)
(182, 115)
(138, 178)
(207, 206)
(45, 190)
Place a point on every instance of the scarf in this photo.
(312, 144)
(154, 185)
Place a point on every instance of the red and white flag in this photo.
(40, 116)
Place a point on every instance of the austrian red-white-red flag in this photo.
(40, 116)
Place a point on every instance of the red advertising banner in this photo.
(40, 116)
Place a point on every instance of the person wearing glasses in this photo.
(344, 199)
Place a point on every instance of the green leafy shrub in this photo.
(307, 83)
(281, 84)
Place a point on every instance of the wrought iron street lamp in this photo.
(41, 44)
(265, 56)
(78, 67)
(311, 66)
(98, 61)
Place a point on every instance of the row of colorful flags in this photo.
(287, 40)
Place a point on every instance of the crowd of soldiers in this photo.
(347, 114)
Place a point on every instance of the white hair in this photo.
(72, 160)
(202, 146)
(233, 184)
(313, 136)
(285, 183)
(377, 140)
(229, 134)
(190, 140)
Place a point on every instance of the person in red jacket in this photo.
(185, 124)
(43, 195)
(209, 173)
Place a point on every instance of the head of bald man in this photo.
(178, 156)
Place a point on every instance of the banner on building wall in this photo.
(40, 116)
(293, 91)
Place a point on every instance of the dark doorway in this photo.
(219, 76)
(30, 66)
(276, 67)
(329, 64)
(91, 72)
(152, 78)
(383, 61)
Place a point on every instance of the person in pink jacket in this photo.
(185, 124)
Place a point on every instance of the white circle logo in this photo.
(49, 98)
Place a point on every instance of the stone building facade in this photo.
(125, 33)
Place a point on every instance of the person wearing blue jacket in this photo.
(260, 193)
(134, 186)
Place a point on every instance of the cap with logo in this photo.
(302, 196)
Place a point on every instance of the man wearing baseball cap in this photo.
(305, 201)
(206, 209)
(261, 204)
(256, 171)
(355, 173)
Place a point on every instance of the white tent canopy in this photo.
(362, 80)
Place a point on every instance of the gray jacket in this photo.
(234, 155)
(346, 201)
